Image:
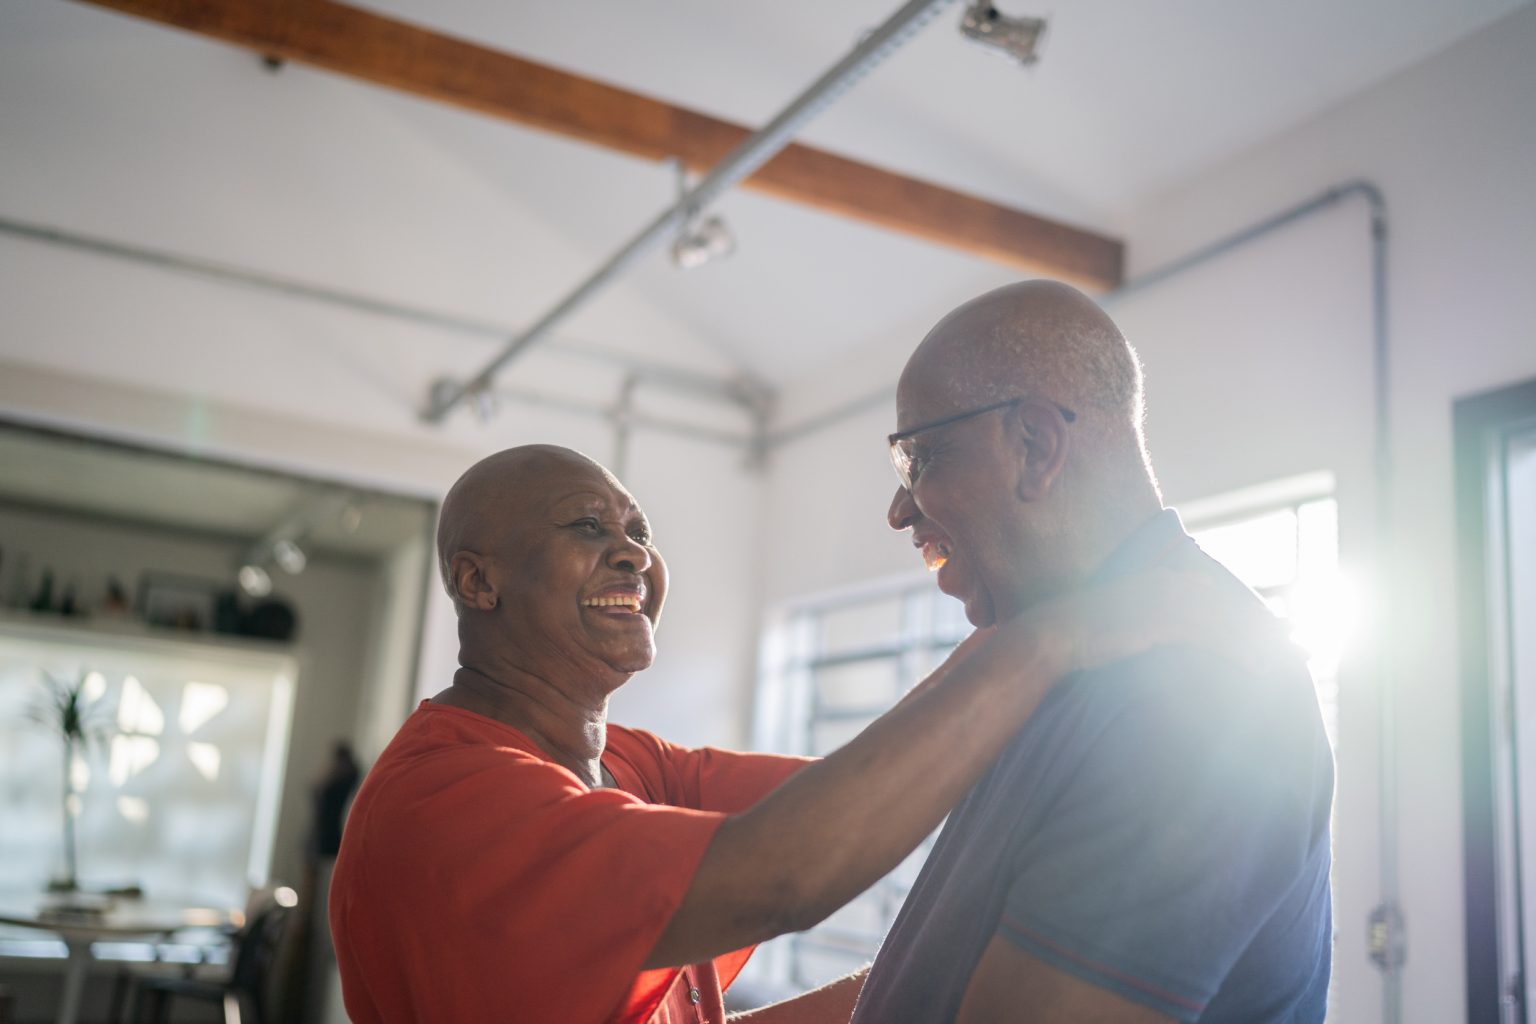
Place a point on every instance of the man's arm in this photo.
(830, 1004)
(1010, 985)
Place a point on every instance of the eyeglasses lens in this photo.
(901, 459)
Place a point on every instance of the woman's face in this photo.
(579, 579)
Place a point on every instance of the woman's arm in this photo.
(835, 827)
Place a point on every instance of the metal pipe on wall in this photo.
(739, 164)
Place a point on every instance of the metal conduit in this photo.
(1386, 935)
(747, 157)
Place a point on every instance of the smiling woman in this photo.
(513, 855)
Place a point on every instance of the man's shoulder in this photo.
(1187, 693)
(1167, 718)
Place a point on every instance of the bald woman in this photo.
(513, 856)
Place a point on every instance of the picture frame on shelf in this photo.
(173, 601)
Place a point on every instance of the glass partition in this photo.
(180, 794)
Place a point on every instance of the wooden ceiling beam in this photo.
(374, 48)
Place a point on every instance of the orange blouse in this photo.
(480, 881)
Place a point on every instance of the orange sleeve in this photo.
(723, 781)
(486, 884)
(705, 777)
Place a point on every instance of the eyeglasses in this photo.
(904, 453)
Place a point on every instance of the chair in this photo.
(244, 994)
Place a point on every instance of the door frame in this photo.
(1480, 422)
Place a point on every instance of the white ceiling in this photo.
(1129, 98)
(409, 200)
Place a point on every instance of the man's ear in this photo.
(470, 585)
(1040, 436)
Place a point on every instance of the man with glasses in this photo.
(1154, 844)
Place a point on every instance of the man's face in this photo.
(576, 573)
(961, 507)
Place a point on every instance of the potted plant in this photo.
(72, 709)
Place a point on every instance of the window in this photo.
(1287, 550)
(1289, 554)
(182, 796)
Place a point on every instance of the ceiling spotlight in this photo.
(289, 556)
(701, 243)
(255, 581)
(1016, 38)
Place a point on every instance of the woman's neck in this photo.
(570, 727)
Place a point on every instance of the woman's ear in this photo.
(1041, 438)
(470, 585)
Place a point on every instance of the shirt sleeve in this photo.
(1180, 827)
(707, 778)
(511, 891)
(722, 781)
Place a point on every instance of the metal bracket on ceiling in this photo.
(482, 398)
(1017, 38)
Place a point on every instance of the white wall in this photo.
(393, 647)
(1258, 368)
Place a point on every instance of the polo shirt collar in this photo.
(1145, 547)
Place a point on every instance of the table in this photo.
(118, 918)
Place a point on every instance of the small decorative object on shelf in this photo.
(20, 592)
(172, 601)
(73, 710)
(115, 604)
(69, 604)
(42, 601)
